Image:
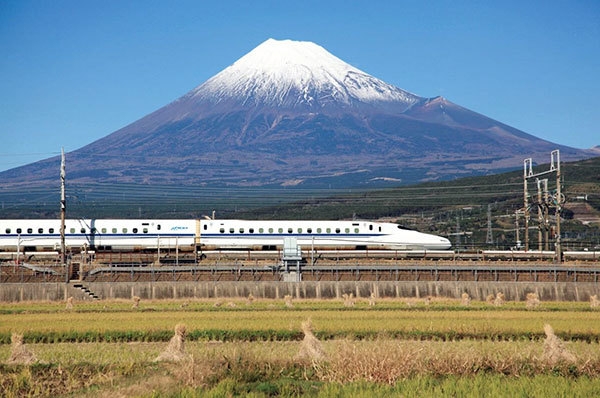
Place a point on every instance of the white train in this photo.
(210, 234)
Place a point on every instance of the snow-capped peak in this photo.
(291, 73)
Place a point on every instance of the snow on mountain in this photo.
(288, 73)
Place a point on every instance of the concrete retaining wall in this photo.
(513, 291)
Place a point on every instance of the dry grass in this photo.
(175, 351)
(348, 299)
(372, 300)
(19, 354)
(136, 302)
(385, 361)
(311, 348)
(390, 361)
(129, 369)
(594, 302)
(499, 300)
(389, 315)
(465, 299)
(288, 301)
(69, 305)
(555, 350)
(533, 301)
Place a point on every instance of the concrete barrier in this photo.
(513, 291)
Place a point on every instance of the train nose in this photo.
(443, 243)
(435, 242)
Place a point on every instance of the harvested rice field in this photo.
(332, 348)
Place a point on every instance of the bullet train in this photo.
(210, 234)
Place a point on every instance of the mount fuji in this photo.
(289, 113)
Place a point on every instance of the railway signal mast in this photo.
(545, 201)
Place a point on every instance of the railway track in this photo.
(335, 265)
(313, 257)
(334, 271)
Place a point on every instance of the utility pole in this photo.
(63, 212)
(518, 241)
(489, 238)
(527, 172)
(557, 202)
(542, 187)
(546, 217)
(458, 232)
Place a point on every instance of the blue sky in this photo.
(72, 72)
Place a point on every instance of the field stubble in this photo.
(129, 369)
(384, 362)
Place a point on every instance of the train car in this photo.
(119, 234)
(98, 234)
(265, 235)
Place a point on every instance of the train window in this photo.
(51, 230)
(355, 230)
(7, 230)
(158, 227)
(205, 227)
(337, 230)
(231, 230)
(72, 230)
(103, 230)
(29, 230)
(222, 230)
(270, 230)
(328, 230)
(379, 229)
(319, 230)
(241, 230)
(114, 230)
(134, 230)
(40, 230)
(370, 227)
(93, 231)
(261, 230)
(309, 230)
(124, 230)
(290, 230)
(347, 230)
(251, 230)
(82, 230)
(19, 230)
(280, 230)
(145, 230)
(299, 230)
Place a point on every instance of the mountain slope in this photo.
(290, 113)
